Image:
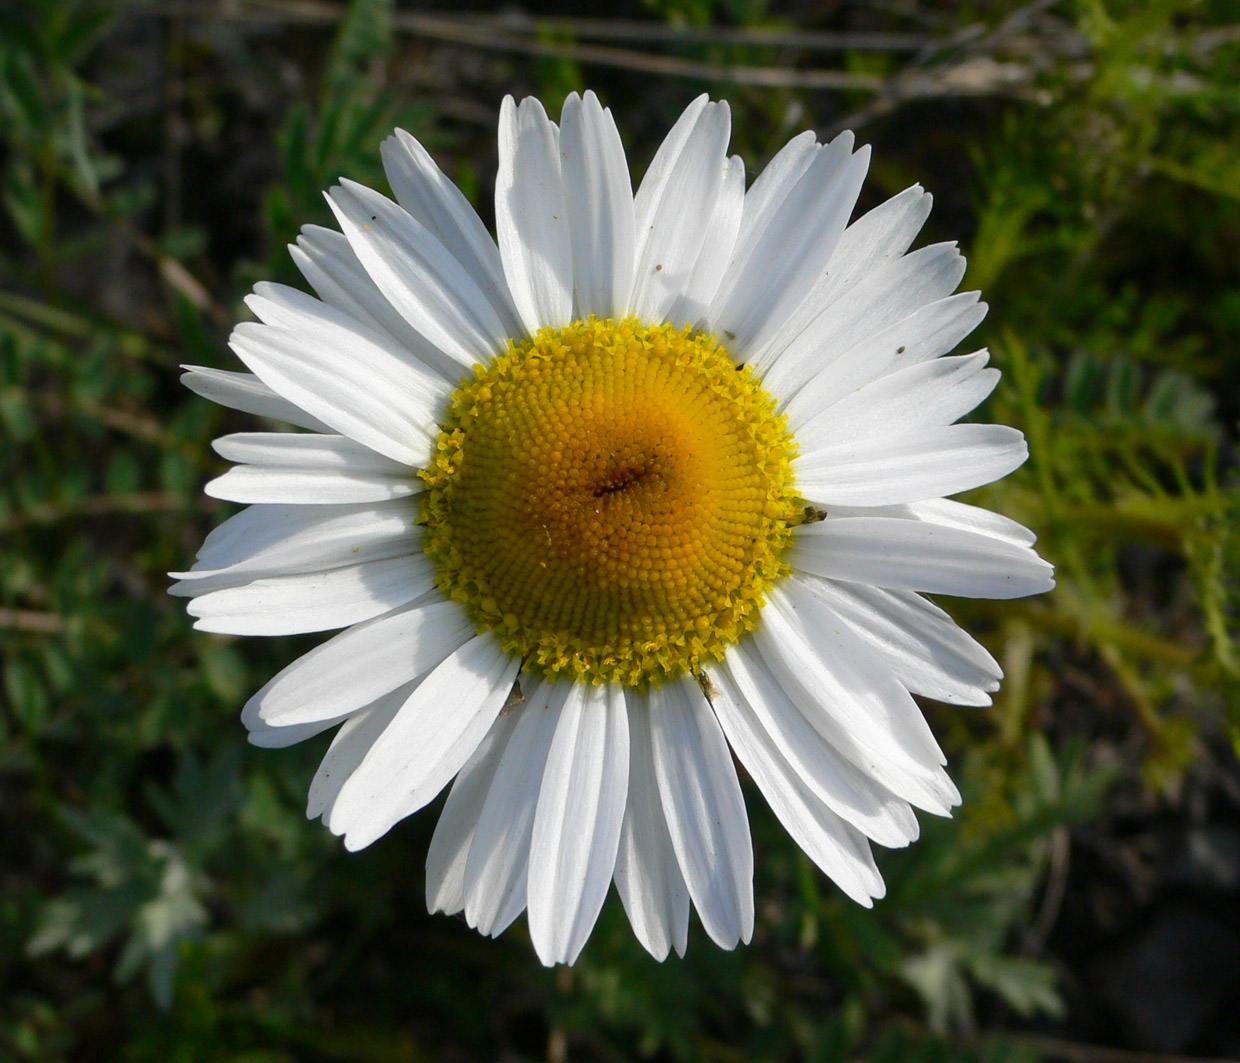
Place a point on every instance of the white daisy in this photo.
(674, 460)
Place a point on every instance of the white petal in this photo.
(577, 824)
(360, 389)
(303, 450)
(295, 468)
(777, 178)
(925, 648)
(647, 874)
(279, 540)
(314, 601)
(925, 334)
(879, 236)
(428, 195)
(418, 275)
(499, 855)
(934, 393)
(757, 709)
(876, 238)
(838, 848)
(289, 486)
(281, 737)
(884, 298)
(925, 463)
(781, 256)
(327, 261)
(953, 514)
(289, 467)
(916, 555)
(427, 743)
(851, 698)
(675, 206)
(705, 810)
(690, 307)
(423, 386)
(295, 310)
(531, 218)
(599, 198)
(454, 833)
(245, 392)
(360, 665)
(349, 746)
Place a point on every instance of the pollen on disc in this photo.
(612, 500)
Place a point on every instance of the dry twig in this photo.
(30, 620)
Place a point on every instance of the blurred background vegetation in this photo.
(162, 897)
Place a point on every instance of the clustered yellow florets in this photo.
(611, 499)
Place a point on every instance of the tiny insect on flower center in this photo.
(611, 499)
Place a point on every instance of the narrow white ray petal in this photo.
(675, 206)
(776, 180)
(928, 395)
(499, 856)
(423, 189)
(577, 822)
(360, 665)
(289, 467)
(531, 218)
(295, 310)
(924, 334)
(327, 261)
(915, 555)
(948, 513)
(280, 540)
(882, 299)
(289, 486)
(690, 306)
(373, 540)
(756, 706)
(303, 450)
(350, 744)
(925, 648)
(852, 699)
(879, 236)
(292, 467)
(953, 514)
(418, 275)
(282, 737)
(783, 254)
(358, 388)
(245, 392)
(837, 847)
(314, 601)
(705, 811)
(454, 833)
(873, 240)
(665, 157)
(599, 198)
(870, 703)
(924, 463)
(647, 874)
(427, 743)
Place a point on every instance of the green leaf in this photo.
(365, 34)
(1025, 985)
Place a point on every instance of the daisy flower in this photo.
(650, 481)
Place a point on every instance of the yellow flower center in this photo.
(612, 500)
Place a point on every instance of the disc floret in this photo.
(612, 499)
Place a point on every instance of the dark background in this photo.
(162, 897)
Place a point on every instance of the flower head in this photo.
(656, 479)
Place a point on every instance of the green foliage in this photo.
(163, 897)
(141, 891)
(338, 136)
(43, 110)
